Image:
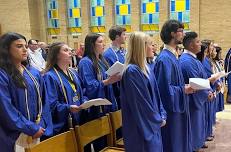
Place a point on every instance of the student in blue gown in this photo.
(217, 68)
(176, 135)
(115, 53)
(65, 91)
(92, 68)
(211, 106)
(193, 68)
(23, 107)
(142, 109)
(219, 64)
(228, 69)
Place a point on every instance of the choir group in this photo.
(161, 112)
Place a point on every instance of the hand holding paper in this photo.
(188, 89)
(199, 83)
(117, 67)
(219, 75)
(95, 102)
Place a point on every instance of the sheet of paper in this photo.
(199, 83)
(95, 102)
(117, 67)
(221, 74)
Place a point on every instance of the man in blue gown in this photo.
(115, 53)
(193, 68)
(176, 135)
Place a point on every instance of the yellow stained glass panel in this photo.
(123, 9)
(150, 8)
(180, 5)
(53, 31)
(98, 29)
(75, 30)
(76, 13)
(149, 27)
(54, 14)
(99, 11)
(186, 26)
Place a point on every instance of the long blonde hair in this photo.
(136, 53)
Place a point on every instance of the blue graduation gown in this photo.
(142, 111)
(227, 69)
(210, 107)
(220, 95)
(176, 135)
(95, 88)
(60, 110)
(13, 113)
(111, 56)
(193, 68)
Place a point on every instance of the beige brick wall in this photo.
(215, 22)
(210, 18)
(14, 17)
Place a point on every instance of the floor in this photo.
(222, 141)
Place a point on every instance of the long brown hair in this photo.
(5, 58)
(53, 52)
(90, 51)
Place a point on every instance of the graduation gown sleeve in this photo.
(46, 120)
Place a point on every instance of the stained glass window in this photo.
(97, 16)
(150, 15)
(74, 16)
(123, 14)
(53, 27)
(180, 10)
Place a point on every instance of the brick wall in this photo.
(14, 17)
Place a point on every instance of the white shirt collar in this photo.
(114, 48)
(189, 52)
(171, 49)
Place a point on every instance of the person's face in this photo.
(18, 51)
(99, 45)
(211, 47)
(178, 36)
(150, 49)
(196, 45)
(65, 55)
(154, 47)
(214, 53)
(122, 38)
(33, 46)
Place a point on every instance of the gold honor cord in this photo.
(29, 139)
(65, 96)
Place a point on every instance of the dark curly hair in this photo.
(168, 27)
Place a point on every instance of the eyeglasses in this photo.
(180, 30)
